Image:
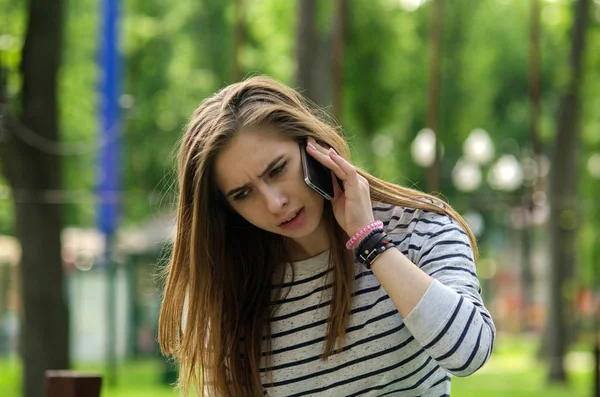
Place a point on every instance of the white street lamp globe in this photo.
(423, 148)
(411, 5)
(593, 165)
(466, 175)
(506, 174)
(479, 147)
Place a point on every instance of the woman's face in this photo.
(260, 175)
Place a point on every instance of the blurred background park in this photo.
(493, 104)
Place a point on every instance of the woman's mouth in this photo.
(294, 221)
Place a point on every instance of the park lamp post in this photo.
(505, 174)
(467, 175)
(478, 150)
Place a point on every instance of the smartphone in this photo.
(316, 175)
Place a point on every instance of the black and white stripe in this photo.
(450, 332)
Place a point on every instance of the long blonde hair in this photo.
(220, 275)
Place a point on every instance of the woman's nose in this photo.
(275, 200)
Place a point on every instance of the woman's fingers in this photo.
(352, 177)
(337, 188)
(321, 155)
(342, 168)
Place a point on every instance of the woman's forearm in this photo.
(404, 282)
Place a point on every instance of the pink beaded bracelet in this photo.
(358, 236)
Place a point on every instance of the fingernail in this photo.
(332, 151)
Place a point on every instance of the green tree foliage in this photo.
(177, 53)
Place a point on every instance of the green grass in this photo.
(133, 379)
(512, 372)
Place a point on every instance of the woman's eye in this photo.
(278, 170)
(240, 196)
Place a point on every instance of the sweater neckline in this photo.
(310, 266)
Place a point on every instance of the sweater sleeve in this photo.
(450, 321)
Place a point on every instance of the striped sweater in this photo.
(449, 332)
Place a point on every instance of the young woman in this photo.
(274, 290)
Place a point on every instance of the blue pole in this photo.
(109, 165)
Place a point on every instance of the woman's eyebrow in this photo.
(262, 174)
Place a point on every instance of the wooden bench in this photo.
(72, 384)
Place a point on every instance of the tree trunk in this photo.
(563, 202)
(238, 40)
(307, 45)
(337, 60)
(33, 171)
(321, 75)
(433, 106)
(534, 77)
(526, 273)
(4, 288)
(528, 205)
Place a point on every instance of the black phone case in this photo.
(316, 175)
